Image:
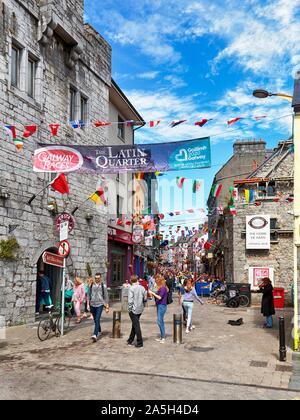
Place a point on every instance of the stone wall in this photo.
(90, 73)
(238, 260)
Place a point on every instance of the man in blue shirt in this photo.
(43, 290)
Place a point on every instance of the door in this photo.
(118, 268)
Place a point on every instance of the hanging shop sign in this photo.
(138, 234)
(62, 219)
(258, 232)
(173, 156)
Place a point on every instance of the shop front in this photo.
(120, 257)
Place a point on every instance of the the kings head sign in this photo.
(176, 156)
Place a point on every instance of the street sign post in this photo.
(53, 259)
(64, 231)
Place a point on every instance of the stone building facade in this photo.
(53, 68)
(247, 156)
(273, 186)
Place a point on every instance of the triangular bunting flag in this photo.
(154, 123)
(29, 131)
(54, 129)
(60, 184)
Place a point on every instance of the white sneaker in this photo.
(187, 331)
(94, 338)
(162, 341)
(158, 340)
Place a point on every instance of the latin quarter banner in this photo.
(163, 157)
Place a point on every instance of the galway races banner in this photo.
(176, 156)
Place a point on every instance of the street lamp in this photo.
(263, 94)
(295, 100)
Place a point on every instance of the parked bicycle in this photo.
(232, 299)
(53, 322)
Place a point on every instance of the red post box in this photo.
(278, 297)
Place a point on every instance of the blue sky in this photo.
(202, 59)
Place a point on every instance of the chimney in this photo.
(242, 147)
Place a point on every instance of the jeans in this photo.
(269, 321)
(188, 306)
(97, 312)
(161, 311)
(136, 329)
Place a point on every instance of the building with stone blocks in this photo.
(247, 156)
(53, 68)
(273, 186)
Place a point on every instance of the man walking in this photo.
(137, 297)
(97, 299)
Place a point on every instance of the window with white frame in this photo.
(15, 65)
(121, 128)
(73, 97)
(83, 109)
(31, 76)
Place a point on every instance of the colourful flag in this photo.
(261, 118)
(120, 221)
(102, 124)
(175, 123)
(220, 210)
(29, 131)
(290, 199)
(60, 184)
(235, 120)
(130, 123)
(98, 197)
(191, 211)
(11, 131)
(216, 190)
(247, 196)
(202, 122)
(77, 124)
(54, 129)
(180, 182)
(196, 186)
(18, 143)
(139, 176)
(233, 210)
(154, 123)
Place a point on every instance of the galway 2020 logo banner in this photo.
(175, 156)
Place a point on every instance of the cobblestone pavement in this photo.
(216, 361)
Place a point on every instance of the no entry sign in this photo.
(64, 249)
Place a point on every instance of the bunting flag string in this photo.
(31, 129)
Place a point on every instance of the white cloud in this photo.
(150, 75)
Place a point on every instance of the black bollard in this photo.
(177, 329)
(117, 324)
(282, 346)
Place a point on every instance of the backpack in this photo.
(170, 297)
